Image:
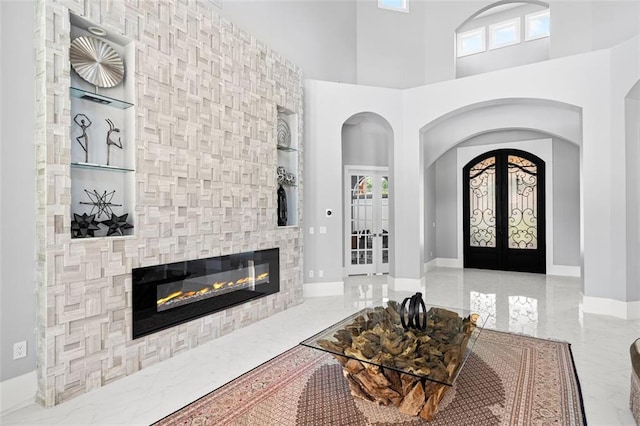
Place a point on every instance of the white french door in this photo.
(366, 220)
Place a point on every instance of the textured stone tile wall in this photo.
(205, 182)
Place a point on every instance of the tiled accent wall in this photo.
(205, 107)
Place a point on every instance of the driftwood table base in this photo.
(412, 395)
(386, 363)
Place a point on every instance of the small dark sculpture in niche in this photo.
(83, 226)
(117, 224)
(84, 123)
(282, 207)
(112, 129)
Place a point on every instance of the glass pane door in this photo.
(367, 223)
(361, 220)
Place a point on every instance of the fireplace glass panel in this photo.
(170, 294)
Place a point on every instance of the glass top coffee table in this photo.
(408, 367)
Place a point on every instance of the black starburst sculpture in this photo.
(117, 224)
(83, 226)
(101, 202)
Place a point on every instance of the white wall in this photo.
(624, 182)
(446, 229)
(431, 190)
(327, 107)
(17, 186)
(390, 50)
(633, 193)
(319, 36)
(566, 204)
(366, 144)
(582, 26)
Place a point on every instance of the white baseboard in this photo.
(612, 307)
(18, 392)
(430, 265)
(446, 262)
(449, 262)
(442, 262)
(564, 271)
(323, 289)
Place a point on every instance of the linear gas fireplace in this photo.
(170, 294)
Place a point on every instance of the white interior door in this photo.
(367, 221)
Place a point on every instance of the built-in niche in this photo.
(102, 132)
(287, 168)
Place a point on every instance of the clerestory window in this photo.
(537, 25)
(504, 33)
(470, 42)
(396, 5)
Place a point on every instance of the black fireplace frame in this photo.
(147, 319)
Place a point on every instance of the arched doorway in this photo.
(504, 212)
(366, 142)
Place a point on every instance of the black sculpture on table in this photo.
(413, 313)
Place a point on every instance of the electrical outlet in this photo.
(20, 349)
(320, 273)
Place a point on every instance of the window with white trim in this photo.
(504, 33)
(397, 5)
(470, 42)
(537, 25)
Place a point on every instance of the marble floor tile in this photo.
(538, 305)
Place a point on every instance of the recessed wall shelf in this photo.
(95, 166)
(102, 147)
(100, 99)
(287, 149)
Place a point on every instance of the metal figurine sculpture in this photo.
(413, 314)
(80, 121)
(112, 128)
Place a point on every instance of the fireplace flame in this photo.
(181, 297)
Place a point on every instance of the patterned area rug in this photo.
(508, 380)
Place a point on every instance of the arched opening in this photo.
(550, 130)
(367, 140)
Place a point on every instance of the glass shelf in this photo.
(95, 166)
(286, 149)
(100, 99)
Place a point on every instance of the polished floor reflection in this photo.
(538, 305)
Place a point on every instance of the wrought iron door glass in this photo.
(482, 202)
(523, 194)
